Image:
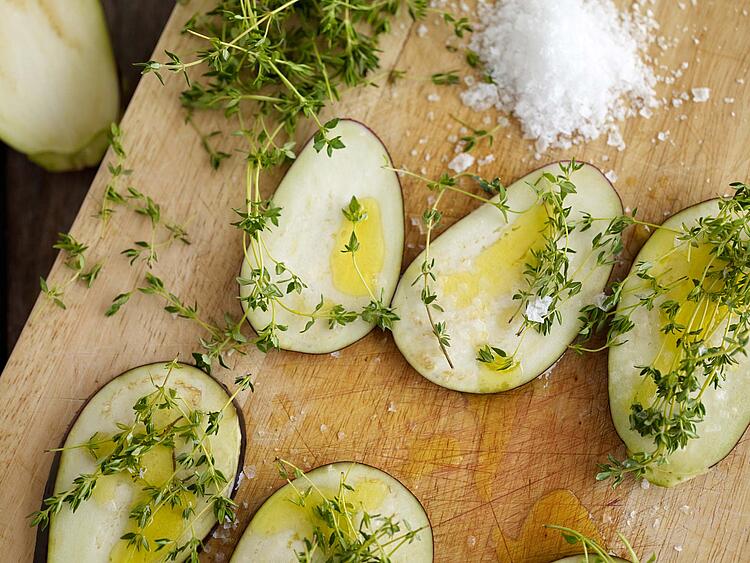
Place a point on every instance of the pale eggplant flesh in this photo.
(278, 528)
(59, 89)
(727, 408)
(312, 232)
(479, 264)
(92, 533)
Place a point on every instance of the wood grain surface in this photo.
(489, 469)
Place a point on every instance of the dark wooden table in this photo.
(36, 204)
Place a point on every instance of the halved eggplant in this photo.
(92, 533)
(479, 266)
(313, 231)
(278, 529)
(727, 408)
(58, 83)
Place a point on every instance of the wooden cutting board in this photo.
(489, 469)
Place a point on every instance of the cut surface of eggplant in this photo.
(727, 408)
(277, 530)
(313, 231)
(92, 533)
(479, 265)
(59, 90)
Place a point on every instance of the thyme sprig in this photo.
(195, 479)
(344, 531)
(75, 260)
(138, 202)
(220, 339)
(475, 135)
(375, 312)
(547, 273)
(705, 327)
(593, 552)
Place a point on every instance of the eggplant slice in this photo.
(277, 530)
(479, 265)
(312, 232)
(92, 533)
(727, 408)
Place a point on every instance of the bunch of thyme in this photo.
(195, 480)
(289, 58)
(343, 531)
(705, 331)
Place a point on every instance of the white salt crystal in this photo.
(391, 407)
(537, 308)
(701, 95)
(336, 354)
(341, 435)
(645, 484)
(422, 30)
(614, 139)
(461, 162)
(433, 98)
(323, 428)
(481, 96)
(728, 100)
(678, 548)
(611, 175)
(471, 541)
(250, 471)
(662, 135)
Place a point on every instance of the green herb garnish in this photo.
(195, 476)
(343, 531)
(706, 327)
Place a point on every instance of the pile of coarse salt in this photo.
(568, 70)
